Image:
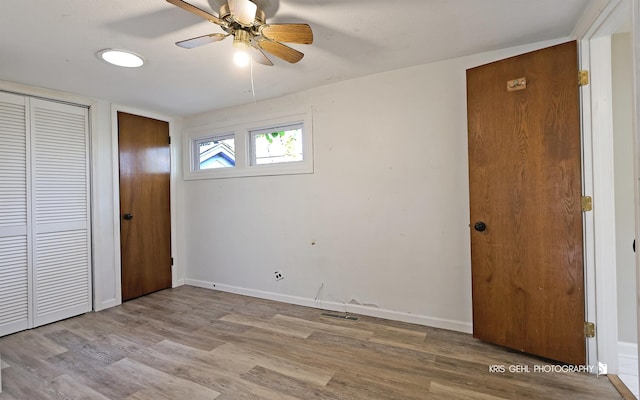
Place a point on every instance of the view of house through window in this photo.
(216, 152)
(277, 145)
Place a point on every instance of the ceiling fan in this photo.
(243, 20)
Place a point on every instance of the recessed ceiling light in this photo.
(121, 58)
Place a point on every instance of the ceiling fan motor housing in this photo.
(225, 14)
(241, 39)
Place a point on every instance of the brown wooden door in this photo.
(145, 222)
(525, 186)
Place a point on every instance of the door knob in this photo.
(128, 216)
(480, 226)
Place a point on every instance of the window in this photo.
(215, 152)
(279, 145)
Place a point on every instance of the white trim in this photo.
(30, 226)
(628, 365)
(593, 18)
(116, 192)
(115, 165)
(598, 22)
(628, 351)
(587, 190)
(179, 282)
(424, 320)
(604, 200)
(635, 40)
(93, 157)
(105, 304)
(241, 129)
(48, 94)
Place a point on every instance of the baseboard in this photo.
(628, 365)
(114, 302)
(106, 304)
(628, 358)
(178, 282)
(340, 307)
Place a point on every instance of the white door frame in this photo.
(174, 129)
(594, 30)
(635, 41)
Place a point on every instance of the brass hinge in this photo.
(587, 203)
(589, 329)
(583, 78)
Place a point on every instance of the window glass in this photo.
(216, 152)
(281, 144)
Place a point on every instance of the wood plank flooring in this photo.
(192, 343)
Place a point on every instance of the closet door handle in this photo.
(128, 216)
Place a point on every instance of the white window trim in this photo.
(241, 130)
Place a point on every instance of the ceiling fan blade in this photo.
(201, 40)
(288, 33)
(243, 11)
(258, 55)
(195, 10)
(280, 50)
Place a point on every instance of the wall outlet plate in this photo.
(279, 275)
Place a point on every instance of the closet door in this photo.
(60, 209)
(14, 259)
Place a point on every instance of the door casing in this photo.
(177, 277)
(599, 21)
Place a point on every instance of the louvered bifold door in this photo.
(14, 260)
(61, 224)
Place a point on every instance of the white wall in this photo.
(387, 206)
(622, 77)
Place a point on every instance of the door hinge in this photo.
(589, 329)
(169, 139)
(583, 78)
(586, 203)
(171, 260)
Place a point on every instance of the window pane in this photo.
(277, 146)
(217, 152)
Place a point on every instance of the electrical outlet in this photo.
(279, 275)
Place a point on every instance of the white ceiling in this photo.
(53, 44)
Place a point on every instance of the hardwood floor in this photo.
(192, 343)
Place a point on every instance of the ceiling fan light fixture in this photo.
(245, 20)
(241, 58)
(241, 43)
(121, 58)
